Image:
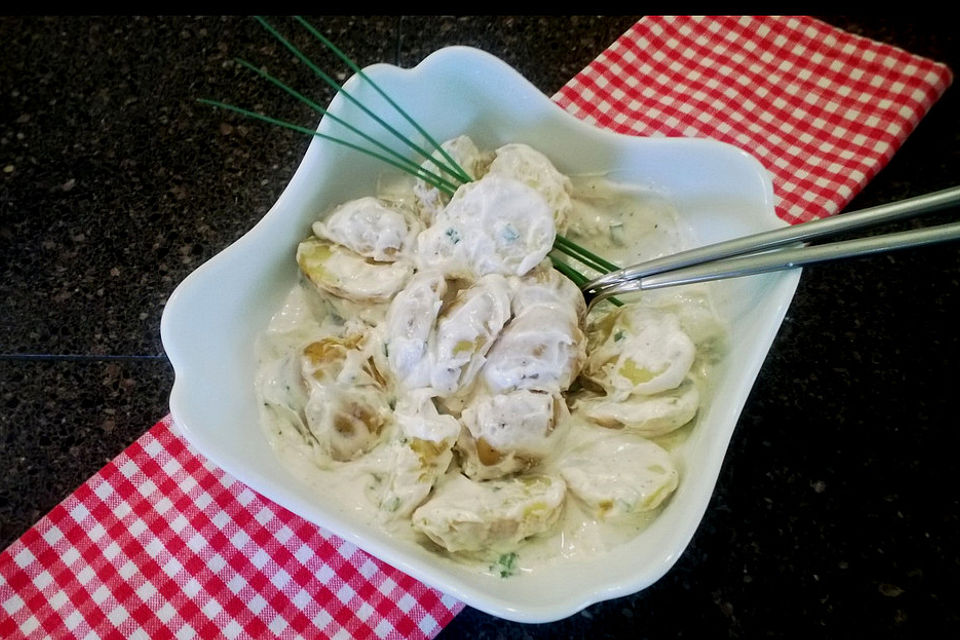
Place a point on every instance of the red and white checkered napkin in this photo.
(160, 543)
(822, 109)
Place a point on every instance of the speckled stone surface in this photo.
(62, 420)
(837, 511)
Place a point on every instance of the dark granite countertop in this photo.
(837, 511)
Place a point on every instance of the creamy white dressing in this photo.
(625, 224)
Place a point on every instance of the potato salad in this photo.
(435, 372)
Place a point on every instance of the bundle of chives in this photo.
(444, 163)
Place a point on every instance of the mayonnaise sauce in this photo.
(625, 224)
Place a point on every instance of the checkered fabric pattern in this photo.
(823, 110)
(162, 544)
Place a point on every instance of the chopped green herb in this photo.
(506, 565)
(453, 235)
(618, 336)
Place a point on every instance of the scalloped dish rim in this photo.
(211, 319)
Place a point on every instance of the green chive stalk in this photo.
(311, 132)
(330, 81)
(313, 105)
(458, 172)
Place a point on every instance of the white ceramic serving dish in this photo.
(213, 318)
